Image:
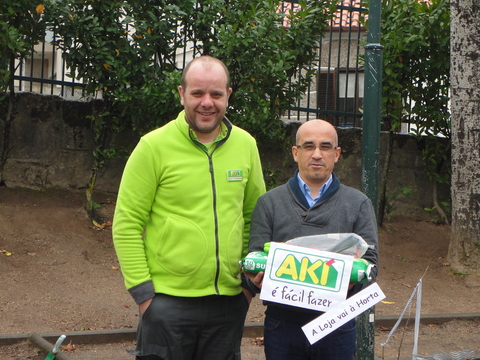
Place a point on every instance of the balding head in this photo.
(318, 124)
(207, 62)
(316, 152)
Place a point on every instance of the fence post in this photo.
(371, 154)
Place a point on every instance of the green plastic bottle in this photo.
(360, 271)
(256, 261)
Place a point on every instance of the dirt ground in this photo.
(59, 273)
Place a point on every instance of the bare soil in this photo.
(59, 273)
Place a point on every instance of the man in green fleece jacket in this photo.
(312, 202)
(182, 223)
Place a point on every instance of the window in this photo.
(340, 94)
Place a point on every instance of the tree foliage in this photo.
(22, 26)
(416, 40)
(416, 73)
(111, 47)
(268, 61)
(124, 48)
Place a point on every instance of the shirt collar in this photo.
(209, 146)
(305, 189)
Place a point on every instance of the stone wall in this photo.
(51, 145)
(407, 169)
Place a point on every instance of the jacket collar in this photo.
(185, 128)
(295, 188)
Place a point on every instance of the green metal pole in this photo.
(371, 154)
(372, 106)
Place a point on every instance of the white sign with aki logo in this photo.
(304, 277)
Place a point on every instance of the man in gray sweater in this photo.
(312, 202)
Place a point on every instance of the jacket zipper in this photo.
(215, 218)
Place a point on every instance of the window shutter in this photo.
(326, 92)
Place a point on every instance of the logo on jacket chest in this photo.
(234, 175)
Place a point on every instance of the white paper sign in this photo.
(342, 313)
(306, 278)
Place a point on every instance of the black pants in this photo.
(179, 328)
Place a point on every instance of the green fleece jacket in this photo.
(182, 218)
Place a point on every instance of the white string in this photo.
(458, 355)
(401, 317)
(417, 319)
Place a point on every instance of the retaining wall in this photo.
(51, 145)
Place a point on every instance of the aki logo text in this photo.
(322, 273)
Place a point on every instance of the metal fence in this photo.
(336, 94)
(45, 72)
(338, 90)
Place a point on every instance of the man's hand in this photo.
(248, 295)
(256, 279)
(144, 306)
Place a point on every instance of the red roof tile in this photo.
(347, 17)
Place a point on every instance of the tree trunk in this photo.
(10, 116)
(382, 202)
(464, 250)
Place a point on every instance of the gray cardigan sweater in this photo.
(283, 214)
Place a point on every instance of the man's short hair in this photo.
(206, 61)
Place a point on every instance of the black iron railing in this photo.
(336, 94)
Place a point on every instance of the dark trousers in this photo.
(178, 328)
(286, 341)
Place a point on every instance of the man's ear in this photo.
(180, 91)
(338, 151)
(295, 153)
